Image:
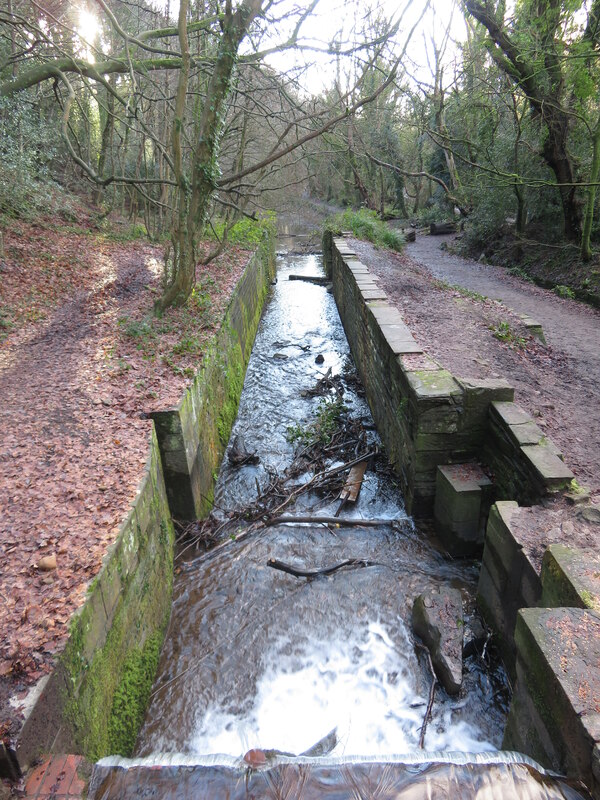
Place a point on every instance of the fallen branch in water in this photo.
(318, 279)
(314, 573)
(340, 521)
(431, 694)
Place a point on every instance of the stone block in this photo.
(558, 653)
(570, 577)
(486, 390)
(496, 569)
(373, 294)
(400, 339)
(547, 466)
(437, 618)
(533, 327)
(509, 413)
(530, 586)
(433, 384)
(489, 602)
(526, 433)
(499, 534)
(385, 314)
(462, 501)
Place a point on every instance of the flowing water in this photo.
(256, 658)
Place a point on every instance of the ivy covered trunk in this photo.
(194, 195)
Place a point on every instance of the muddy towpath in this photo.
(467, 315)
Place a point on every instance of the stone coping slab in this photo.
(534, 528)
(571, 577)
(465, 477)
(549, 468)
(510, 413)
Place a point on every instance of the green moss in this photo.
(131, 696)
(109, 663)
(234, 382)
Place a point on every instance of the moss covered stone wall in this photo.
(95, 700)
(424, 415)
(193, 436)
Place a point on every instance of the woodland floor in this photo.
(453, 307)
(82, 359)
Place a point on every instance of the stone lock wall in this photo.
(94, 701)
(539, 585)
(425, 416)
(193, 436)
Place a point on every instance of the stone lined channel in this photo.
(255, 658)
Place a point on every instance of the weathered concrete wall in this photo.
(424, 415)
(193, 436)
(94, 701)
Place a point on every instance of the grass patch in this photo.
(323, 428)
(564, 292)
(504, 333)
(365, 224)
(454, 287)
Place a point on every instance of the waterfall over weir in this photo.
(258, 659)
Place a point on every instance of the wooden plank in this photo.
(349, 493)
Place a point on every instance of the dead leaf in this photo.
(47, 563)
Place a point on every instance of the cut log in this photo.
(438, 228)
(410, 236)
(316, 520)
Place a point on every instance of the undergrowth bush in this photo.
(246, 232)
(28, 146)
(364, 224)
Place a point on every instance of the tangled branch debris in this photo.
(332, 435)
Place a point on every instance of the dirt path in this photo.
(558, 384)
(569, 326)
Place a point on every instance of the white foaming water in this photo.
(360, 683)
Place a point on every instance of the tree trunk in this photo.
(557, 157)
(106, 141)
(521, 210)
(194, 200)
(586, 248)
(543, 88)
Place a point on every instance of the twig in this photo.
(431, 695)
(313, 573)
(317, 480)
